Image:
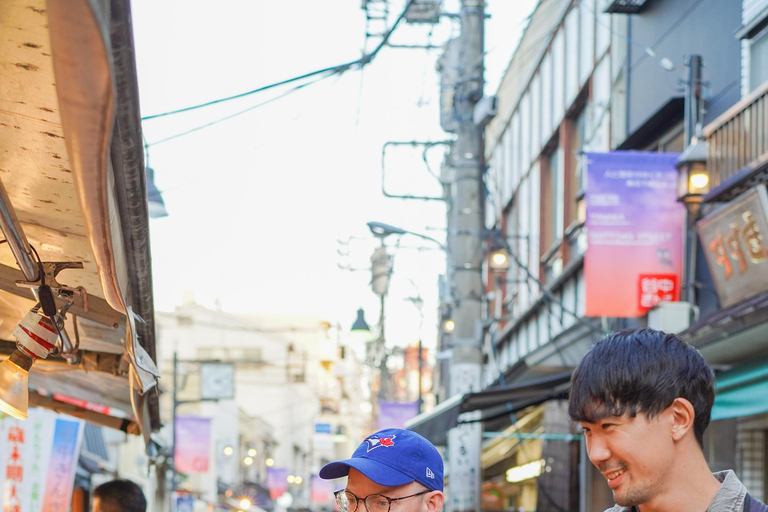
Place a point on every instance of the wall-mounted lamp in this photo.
(499, 258)
(35, 338)
(269, 462)
(228, 450)
(448, 326)
(248, 461)
(693, 178)
(252, 452)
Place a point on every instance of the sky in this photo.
(268, 209)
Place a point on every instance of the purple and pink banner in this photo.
(635, 229)
(193, 441)
(395, 414)
(277, 482)
(321, 491)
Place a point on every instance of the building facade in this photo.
(594, 77)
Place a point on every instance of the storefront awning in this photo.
(741, 391)
(434, 425)
(71, 157)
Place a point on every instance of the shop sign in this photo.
(735, 241)
(40, 455)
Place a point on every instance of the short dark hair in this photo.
(120, 496)
(641, 370)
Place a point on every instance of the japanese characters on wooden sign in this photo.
(734, 241)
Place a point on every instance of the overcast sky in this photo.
(259, 203)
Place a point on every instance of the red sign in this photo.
(103, 409)
(655, 288)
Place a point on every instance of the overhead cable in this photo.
(362, 61)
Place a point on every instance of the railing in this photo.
(739, 137)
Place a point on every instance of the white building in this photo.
(296, 399)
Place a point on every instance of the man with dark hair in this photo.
(119, 496)
(644, 398)
(392, 470)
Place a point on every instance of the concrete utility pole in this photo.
(465, 256)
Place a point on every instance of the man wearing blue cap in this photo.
(393, 470)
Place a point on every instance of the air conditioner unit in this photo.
(672, 317)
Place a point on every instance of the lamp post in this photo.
(382, 230)
(222, 387)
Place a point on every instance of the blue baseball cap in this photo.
(391, 457)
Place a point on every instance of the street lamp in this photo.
(382, 230)
(692, 184)
(693, 178)
(360, 324)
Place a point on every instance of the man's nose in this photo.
(597, 450)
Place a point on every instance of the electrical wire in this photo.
(362, 61)
(240, 112)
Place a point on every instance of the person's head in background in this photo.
(393, 470)
(119, 496)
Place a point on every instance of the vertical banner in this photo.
(635, 229)
(193, 438)
(277, 482)
(395, 414)
(321, 491)
(40, 429)
(25, 450)
(67, 437)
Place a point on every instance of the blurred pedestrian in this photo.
(391, 466)
(119, 496)
(644, 398)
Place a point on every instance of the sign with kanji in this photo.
(635, 231)
(655, 288)
(25, 451)
(735, 240)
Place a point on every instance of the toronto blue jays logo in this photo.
(375, 442)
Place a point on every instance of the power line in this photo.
(362, 61)
(240, 112)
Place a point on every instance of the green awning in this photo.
(741, 391)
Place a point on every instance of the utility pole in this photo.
(465, 256)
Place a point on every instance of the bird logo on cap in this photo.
(375, 442)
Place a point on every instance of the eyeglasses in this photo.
(348, 502)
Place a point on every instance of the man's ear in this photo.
(682, 415)
(434, 502)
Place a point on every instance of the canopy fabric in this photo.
(741, 391)
(435, 424)
(71, 157)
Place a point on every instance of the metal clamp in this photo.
(50, 270)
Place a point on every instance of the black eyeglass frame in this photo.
(358, 499)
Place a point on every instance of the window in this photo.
(758, 60)
(576, 207)
(553, 213)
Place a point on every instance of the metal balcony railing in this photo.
(739, 137)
